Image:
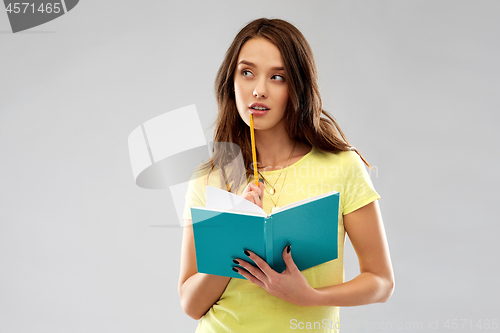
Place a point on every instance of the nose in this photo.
(260, 90)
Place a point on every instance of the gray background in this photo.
(413, 84)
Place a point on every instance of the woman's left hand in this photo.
(290, 285)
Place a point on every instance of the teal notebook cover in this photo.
(310, 226)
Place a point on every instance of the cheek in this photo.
(238, 89)
(238, 99)
(284, 97)
(236, 92)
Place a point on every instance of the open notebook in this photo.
(230, 224)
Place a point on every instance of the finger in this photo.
(264, 267)
(255, 271)
(287, 257)
(251, 187)
(247, 189)
(256, 197)
(249, 276)
(259, 189)
(250, 196)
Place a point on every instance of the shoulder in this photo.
(350, 157)
(347, 157)
(200, 178)
(198, 181)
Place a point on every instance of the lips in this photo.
(258, 113)
(258, 107)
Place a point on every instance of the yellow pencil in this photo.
(254, 154)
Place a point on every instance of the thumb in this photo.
(287, 257)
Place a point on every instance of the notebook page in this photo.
(227, 201)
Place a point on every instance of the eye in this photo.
(279, 77)
(245, 71)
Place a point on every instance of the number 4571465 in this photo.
(22, 7)
(471, 324)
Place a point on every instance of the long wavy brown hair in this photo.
(303, 115)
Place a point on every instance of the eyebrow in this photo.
(248, 63)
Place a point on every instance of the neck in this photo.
(274, 148)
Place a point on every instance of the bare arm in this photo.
(375, 283)
(198, 291)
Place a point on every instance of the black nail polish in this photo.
(247, 253)
(236, 261)
(234, 269)
(288, 248)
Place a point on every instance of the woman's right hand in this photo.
(253, 193)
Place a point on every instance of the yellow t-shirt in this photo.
(245, 307)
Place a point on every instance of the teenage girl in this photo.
(269, 70)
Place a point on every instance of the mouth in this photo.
(258, 108)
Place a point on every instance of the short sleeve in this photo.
(358, 187)
(195, 195)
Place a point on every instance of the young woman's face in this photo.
(259, 81)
